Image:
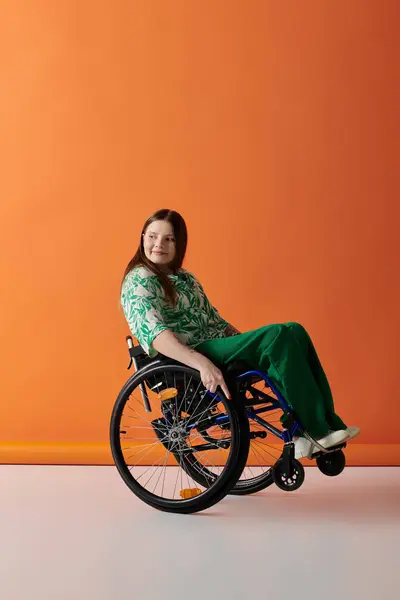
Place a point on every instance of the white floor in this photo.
(78, 533)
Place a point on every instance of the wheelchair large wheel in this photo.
(156, 452)
(265, 447)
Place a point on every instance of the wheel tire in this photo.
(220, 487)
(282, 481)
(242, 488)
(332, 464)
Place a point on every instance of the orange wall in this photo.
(272, 126)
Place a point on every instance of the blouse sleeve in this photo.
(212, 313)
(141, 306)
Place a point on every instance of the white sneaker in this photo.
(352, 432)
(333, 439)
(302, 448)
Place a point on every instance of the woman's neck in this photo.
(166, 269)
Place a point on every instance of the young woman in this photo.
(168, 311)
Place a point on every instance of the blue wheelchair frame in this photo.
(287, 434)
(253, 413)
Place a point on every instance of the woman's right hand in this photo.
(212, 377)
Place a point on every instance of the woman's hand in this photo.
(212, 378)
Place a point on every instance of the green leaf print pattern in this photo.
(193, 320)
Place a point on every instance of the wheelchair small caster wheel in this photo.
(288, 482)
(331, 464)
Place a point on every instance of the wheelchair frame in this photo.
(286, 435)
(286, 472)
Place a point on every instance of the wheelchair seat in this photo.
(231, 371)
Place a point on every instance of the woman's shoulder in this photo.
(142, 272)
(140, 276)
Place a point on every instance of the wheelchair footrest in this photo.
(328, 450)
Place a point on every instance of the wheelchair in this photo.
(181, 448)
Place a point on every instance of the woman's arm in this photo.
(168, 344)
(214, 314)
(141, 300)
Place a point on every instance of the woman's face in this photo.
(159, 243)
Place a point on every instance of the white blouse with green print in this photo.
(193, 320)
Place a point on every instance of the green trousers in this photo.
(286, 353)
